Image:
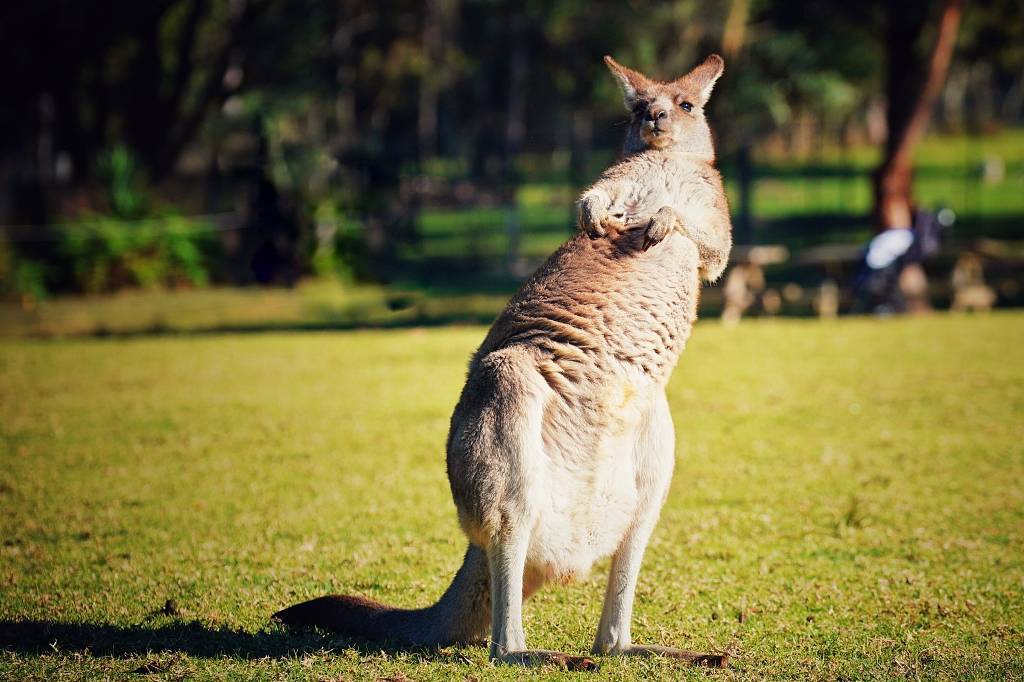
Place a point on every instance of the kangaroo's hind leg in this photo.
(497, 469)
(655, 457)
(507, 558)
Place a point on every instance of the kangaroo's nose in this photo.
(656, 114)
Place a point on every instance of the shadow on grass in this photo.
(193, 639)
(328, 325)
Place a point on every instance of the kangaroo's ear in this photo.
(705, 75)
(632, 82)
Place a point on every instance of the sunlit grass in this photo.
(847, 503)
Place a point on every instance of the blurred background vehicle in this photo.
(227, 164)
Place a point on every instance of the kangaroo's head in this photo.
(668, 115)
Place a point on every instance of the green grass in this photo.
(847, 503)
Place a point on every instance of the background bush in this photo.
(109, 254)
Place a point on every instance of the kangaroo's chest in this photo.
(647, 185)
(635, 203)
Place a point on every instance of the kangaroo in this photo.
(561, 447)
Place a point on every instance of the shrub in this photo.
(106, 254)
(21, 278)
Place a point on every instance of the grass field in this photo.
(847, 504)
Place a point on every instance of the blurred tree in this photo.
(914, 79)
(358, 113)
(794, 73)
(379, 62)
(141, 74)
(439, 21)
(816, 57)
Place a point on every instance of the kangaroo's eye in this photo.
(686, 106)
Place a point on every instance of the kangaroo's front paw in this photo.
(595, 219)
(660, 227)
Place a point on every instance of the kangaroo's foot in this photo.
(535, 658)
(696, 658)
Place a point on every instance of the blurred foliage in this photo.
(120, 175)
(100, 253)
(335, 129)
(106, 254)
(21, 278)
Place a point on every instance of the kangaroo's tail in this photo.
(461, 615)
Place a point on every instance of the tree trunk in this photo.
(744, 212)
(913, 86)
(436, 15)
(733, 38)
(580, 142)
(515, 133)
(735, 29)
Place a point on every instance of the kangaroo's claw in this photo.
(660, 227)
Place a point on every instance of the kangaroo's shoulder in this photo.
(694, 177)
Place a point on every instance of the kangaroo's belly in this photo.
(589, 493)
(575, 532)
